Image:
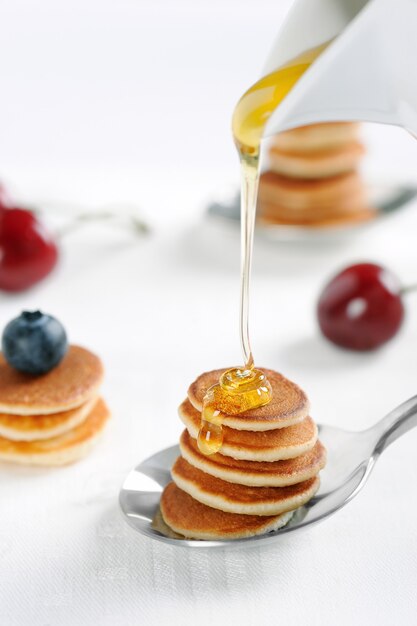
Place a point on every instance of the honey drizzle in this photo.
(249, 192)
(240, 390)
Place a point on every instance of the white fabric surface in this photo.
(167, 306)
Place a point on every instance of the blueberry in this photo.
(34, 342)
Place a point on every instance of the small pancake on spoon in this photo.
(194, 520)
(289, 404)
(255, 473)
(241, 499)
(269, 445)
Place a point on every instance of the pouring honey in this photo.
(242, 389)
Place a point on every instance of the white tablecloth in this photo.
(166, 306)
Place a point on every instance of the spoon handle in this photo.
(397, 423)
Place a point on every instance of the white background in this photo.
(130, 101)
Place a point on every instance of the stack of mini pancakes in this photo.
(266, 468)
(55, 418)
(313, 179)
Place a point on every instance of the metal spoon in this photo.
(351, 458)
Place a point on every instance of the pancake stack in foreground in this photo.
(54, 418)
(313, 177)
(266, 468)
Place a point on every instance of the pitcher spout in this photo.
(365, 73)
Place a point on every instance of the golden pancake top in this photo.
(90, 427)
(70, 384)
(261, 473)
(289, 404)
(195, 520)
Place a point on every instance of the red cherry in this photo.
(361, 308)
(27, 251)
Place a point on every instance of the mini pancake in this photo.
(275, 217)
(325, 136)
(194, 520)
(335, 193)
(289, 404)
(240, 499)
(347, 208)
(34, 427)
(60, 450)
(319, 164)
(159, 524)
(74, 381)
(252, 473)
(271, 445)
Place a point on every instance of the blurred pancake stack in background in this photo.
(313, 179)
(55, 418)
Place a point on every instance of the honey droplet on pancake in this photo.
(210, 437)
(244, 389)
(238, 390)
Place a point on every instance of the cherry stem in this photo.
(408, 289)
(85, 216)
(77, 221)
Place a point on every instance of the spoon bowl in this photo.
(351, 457)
